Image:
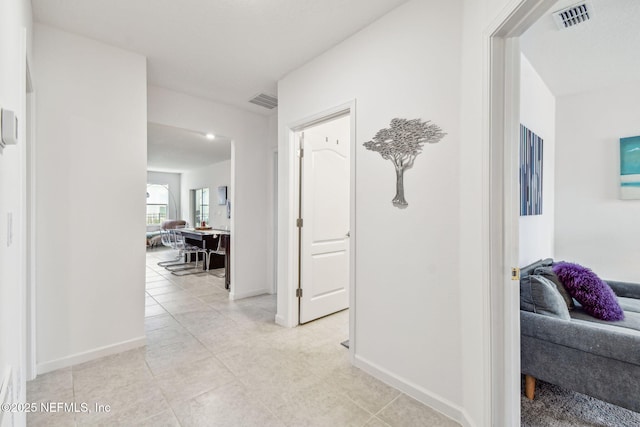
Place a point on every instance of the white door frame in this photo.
(502, 117)
(292, 211)
(232, 221)
(30, 236)
(274, 220)
(28, 207)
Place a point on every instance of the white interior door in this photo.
(324, 263)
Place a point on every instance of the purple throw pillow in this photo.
(597, 298)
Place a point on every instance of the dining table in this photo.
(207, 238)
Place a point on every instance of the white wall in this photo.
(272, 203)
(91, 109)
(538, 114)
(478, 17)
(212, 177)
(593, 226)
(407, 311)
(15, 46)
(249, 205)
(173, 181)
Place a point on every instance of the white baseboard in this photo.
(86, 356)
(235, 296)
(430, 399)
(280, 320)
(465, 421)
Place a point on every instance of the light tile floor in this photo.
(214, 362)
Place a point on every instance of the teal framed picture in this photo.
(630, 168)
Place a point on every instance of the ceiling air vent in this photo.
(264, 100)
(573, 15)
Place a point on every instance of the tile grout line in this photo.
(268, 409)
(388, 404)
(73, 388)
(235, 377)
(373, 415)
(211, 355)
(163, 395)
(154, 376)
(223, 349)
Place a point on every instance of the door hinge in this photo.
(299, 293)
(299, 222)
(301, 152)
(515, 273)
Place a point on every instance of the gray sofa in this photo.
(585, 354)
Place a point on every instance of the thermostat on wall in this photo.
(9, 128)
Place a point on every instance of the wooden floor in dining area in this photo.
(210, 361)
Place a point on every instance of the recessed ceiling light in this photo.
(210, 136)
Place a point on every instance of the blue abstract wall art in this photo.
(530, 173)
(630, 168)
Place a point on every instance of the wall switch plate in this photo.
(9, 128)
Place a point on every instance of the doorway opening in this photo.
(585, 110)
(323, 221)
(289, 210)
(503, 115)
(193, 174)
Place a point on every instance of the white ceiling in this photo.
(171, 149)
(223, 50)
(595, 54)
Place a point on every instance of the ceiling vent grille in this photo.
(573, 15)
(264, 100)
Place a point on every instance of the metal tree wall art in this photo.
(401, 143)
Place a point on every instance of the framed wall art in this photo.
(630, 168)
(530, 172)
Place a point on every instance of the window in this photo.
(201, 206)
(157, 203)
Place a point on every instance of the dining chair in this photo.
(168, 240)
(186, 249)
(220, 250)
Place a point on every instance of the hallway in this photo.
(211, 361)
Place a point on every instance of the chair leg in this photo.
(188, 272)
(171, 261)
(529, 387)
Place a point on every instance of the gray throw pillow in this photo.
(548, 273)
(540, 295)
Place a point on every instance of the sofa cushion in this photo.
(529, 269)
(629, 304)
(170, 224)
(625, 289)
(540, 295)
(548, 273)
(151, 234)
(597, 298)
(631, 319)
(598, 338)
